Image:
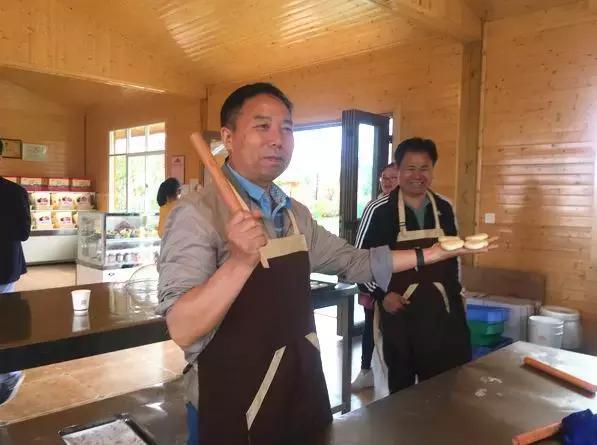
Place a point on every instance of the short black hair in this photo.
(235, 101)
(415, 145)
(390, 165)
(168, 189)
(1, 147)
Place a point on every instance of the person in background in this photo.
(422, 318)
(15, 225)
(387, 182)
(168, 194)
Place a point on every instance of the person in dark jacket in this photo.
(421, 315)
(15, 225)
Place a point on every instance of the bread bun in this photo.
(452, 244)
(476, 245)
(477, 237)
(443, 239)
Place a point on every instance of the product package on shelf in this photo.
(42, 220)
(58, 184)
(63, 220)
(84, 200)
(78, 184)
(14, 179)
(41, 200)
(32, 184)
(63, 201)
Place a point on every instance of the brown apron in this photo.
(260, 378)
(430, 335)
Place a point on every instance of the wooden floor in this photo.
(55, 387)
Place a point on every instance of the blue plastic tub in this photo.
(488, 314)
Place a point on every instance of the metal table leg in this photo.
(348, 308)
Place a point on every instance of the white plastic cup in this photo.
(81, 299)
(546, 331)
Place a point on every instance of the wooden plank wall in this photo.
(538, 132)
(33, 119)
(422, 80)
(182, 117)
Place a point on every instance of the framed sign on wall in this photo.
(35, 152)
(177, 168)
(12, 148)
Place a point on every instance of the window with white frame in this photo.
(137, 168)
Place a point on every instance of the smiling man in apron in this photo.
(235, 289)
(421, 315)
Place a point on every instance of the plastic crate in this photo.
(485, 340)
(480, 351)
(488, 314)
(483, 328)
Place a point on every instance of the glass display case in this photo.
(112, 242)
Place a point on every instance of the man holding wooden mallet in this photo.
(235, 289)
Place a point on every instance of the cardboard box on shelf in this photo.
(32, 183)
(42, 220)
(63, 220)
(63, 200)
(57, 184)
(41, 200)
(84, 200)
(79, 184)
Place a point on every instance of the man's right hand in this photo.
(394, 302)
(246, 236)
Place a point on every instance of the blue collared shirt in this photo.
(271, 204)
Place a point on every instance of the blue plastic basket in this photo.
(488, 314)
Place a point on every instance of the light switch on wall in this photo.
(489, 218)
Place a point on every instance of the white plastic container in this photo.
(572, 327)
(546, 331)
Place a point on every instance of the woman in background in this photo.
(168, 194)
(387, 182)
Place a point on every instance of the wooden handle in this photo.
(560, 374)
(222, 184)
(537, 435)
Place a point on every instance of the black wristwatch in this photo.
(420, 257)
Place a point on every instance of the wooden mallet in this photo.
(222, 184)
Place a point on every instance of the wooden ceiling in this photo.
(75, 93)
(206, 42)
(499, 9)
(232, 40)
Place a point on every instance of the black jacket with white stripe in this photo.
(379, 227)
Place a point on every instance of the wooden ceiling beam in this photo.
(453, 18)
(55, 37)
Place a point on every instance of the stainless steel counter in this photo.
(485, 402)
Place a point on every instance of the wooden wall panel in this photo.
(33, 119)
(182, 117)
(423, 81)
(538, 159)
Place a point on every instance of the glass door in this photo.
(365, 152)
